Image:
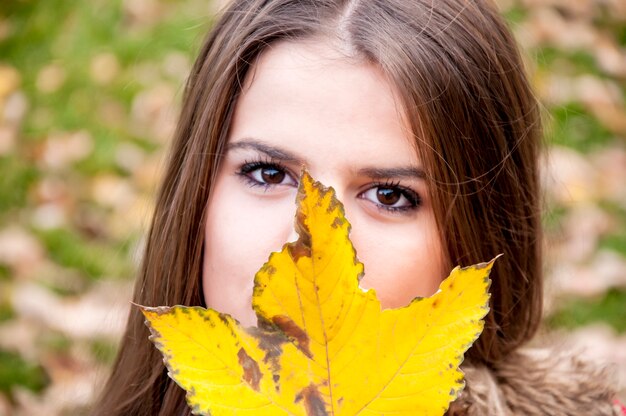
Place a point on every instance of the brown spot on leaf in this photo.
(302, 247)
(270, 342)
(159, 310)
(299, 249)
(251, 371)
(338, 222)
(484, 265)
(269, 269)
(313, 403)
(294, 332)
(224, 319)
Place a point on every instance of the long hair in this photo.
(476, 127)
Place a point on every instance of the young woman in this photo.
(420, 116)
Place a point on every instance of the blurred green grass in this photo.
(571, 125)
(15, 371)
(609, 308)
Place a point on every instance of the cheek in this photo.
(241, 232)
(401, 266)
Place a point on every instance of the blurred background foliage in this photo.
(89, 94)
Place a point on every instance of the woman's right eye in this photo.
(266, 174)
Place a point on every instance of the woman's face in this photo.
(304, 105)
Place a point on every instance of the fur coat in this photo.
(537, 382)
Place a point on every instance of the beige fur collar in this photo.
(537, 382)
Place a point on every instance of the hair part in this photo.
(476, 127)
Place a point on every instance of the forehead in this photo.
(311, 53)
(309, 92)
(291, 64)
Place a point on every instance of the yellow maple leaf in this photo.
(323, 345)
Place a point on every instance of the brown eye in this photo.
(266, 175)
(388, 196)
(272, 176)
(392, 198)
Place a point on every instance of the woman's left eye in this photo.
(266, 174)
(392, 198)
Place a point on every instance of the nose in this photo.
(332, 179)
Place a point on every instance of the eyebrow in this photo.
(271, 151)
(386, 173)
(377, 173)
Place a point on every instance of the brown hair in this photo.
(472, 112)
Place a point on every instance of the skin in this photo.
(306, 104)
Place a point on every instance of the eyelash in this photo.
(248, 167)
(413, 197)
